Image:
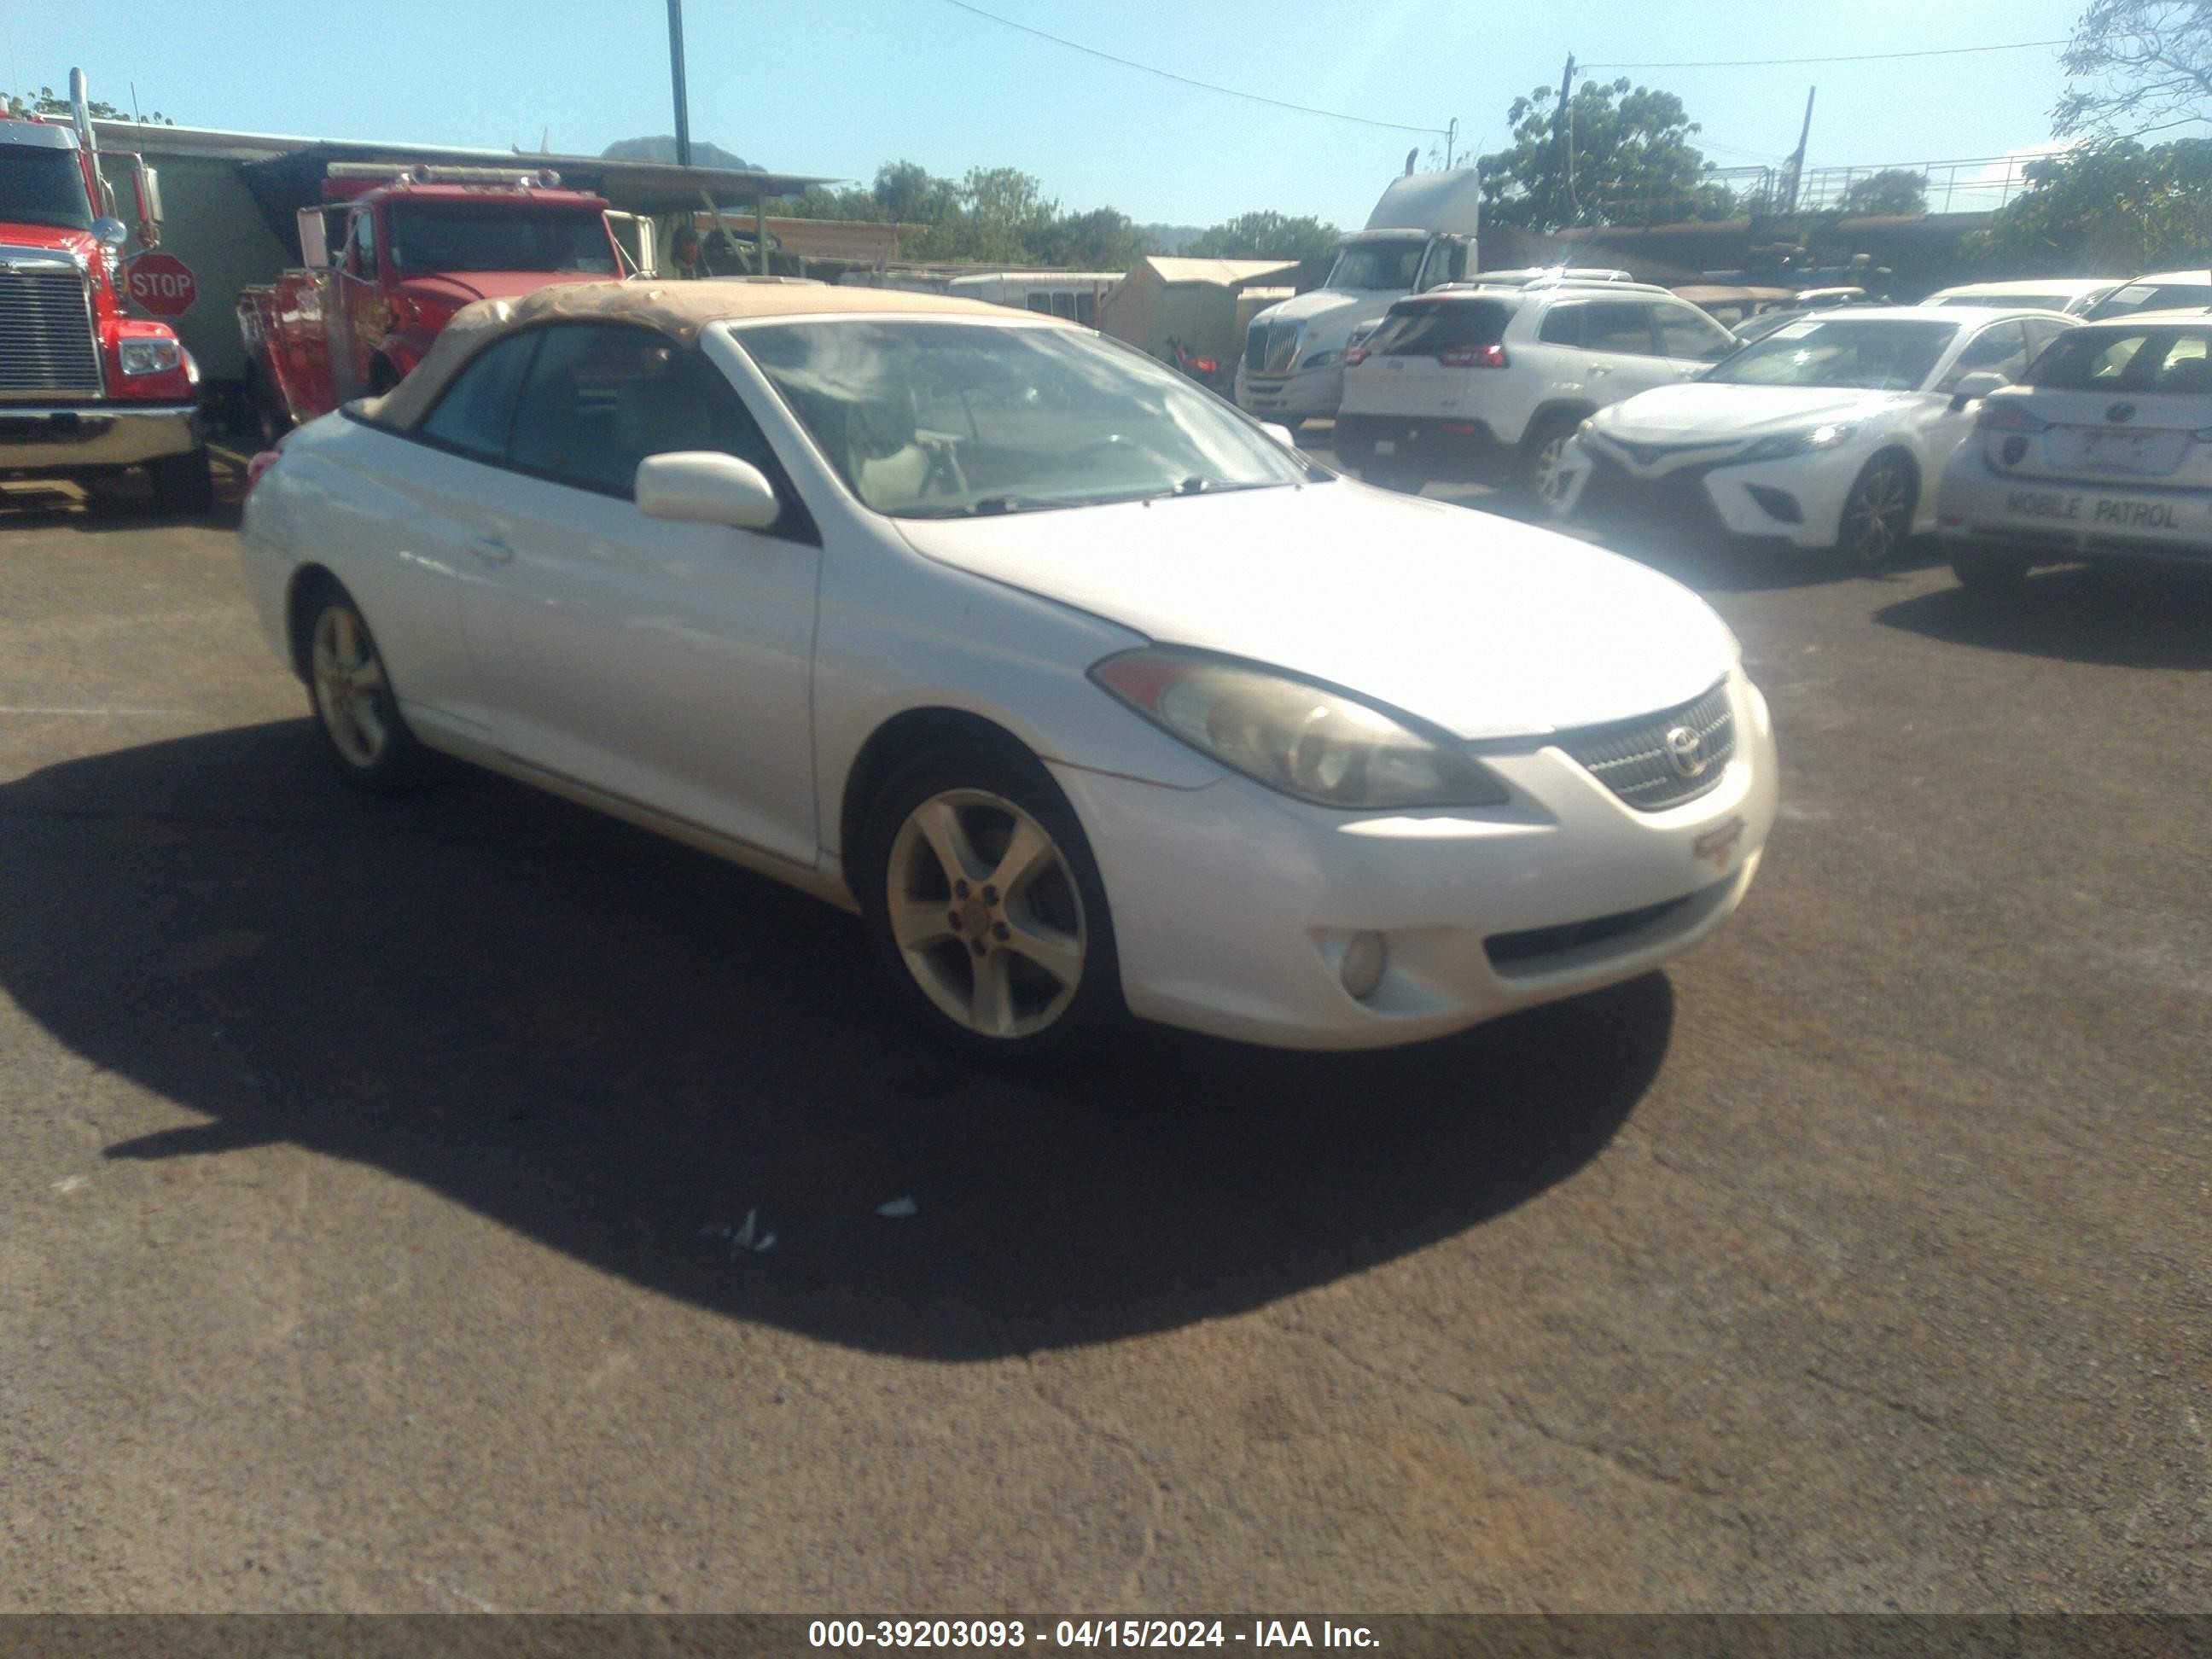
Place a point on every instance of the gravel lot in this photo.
(376, 1173)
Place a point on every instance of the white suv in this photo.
(1476, 381)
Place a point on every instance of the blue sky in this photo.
(836, 87)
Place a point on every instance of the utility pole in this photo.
(676, 77)
(1451, 133)
(1565, 133)
(1798, 161)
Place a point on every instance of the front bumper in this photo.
(1303, 394)
(1798, 500)
(75, 437)
(1233, 906)
(2057, 520)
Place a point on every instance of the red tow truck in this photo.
(413, 245)
(84, 389)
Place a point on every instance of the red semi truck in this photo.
(412, 246)
(85, 390)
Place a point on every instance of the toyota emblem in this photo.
(1686, 751)
(2120, 413)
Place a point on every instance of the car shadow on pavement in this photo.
(2119, 615)
(628, 1050)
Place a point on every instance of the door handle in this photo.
(491, 550)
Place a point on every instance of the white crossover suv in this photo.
(1478, 381)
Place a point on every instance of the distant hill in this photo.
(1171, 239)
(704, 155)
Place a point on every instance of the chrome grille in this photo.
(1635, 760)
(1255, 345)
(1270, 346)
(45, 335)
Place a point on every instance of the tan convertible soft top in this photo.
(678, 310)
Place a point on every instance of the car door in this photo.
(1620, 339)
(435, 483)
(667, 664)
(359, 315)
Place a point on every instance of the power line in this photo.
(1169, 74)
(1845, 57)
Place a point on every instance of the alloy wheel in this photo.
(351, 694)
(1877, 516)
(985, 910)
(1548, 478)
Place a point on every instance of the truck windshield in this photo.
(43, 187)
(428, 237)
(1390, 266)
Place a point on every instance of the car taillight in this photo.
(259, 464)
(1354, 356)
(1489, 356)
(1999, 415)
(1206, 365)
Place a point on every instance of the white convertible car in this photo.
(1087, 692)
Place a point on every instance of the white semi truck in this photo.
(1421, 234)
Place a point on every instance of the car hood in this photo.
(1678, 414)
(458, 289)
(1487, 628)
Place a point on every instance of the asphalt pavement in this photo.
(467, 1202)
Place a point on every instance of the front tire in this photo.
(182, 484)
(985, 911)
(354, 705)
(1877, 517)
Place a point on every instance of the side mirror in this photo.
(1975, 386)
(110, 232)
(1281, 434)
(704, 486)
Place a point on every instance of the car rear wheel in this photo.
(183, 483)
(355, 707)
(1987, 570)
(1877, 519)
(985, 910)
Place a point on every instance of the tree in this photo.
(49, 102)
(1892, 190)
(1265, 235)
(2118, 206)
(2136, 66)
(1101, 239)
(1633, 162)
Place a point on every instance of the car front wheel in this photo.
(354, 705)
(1877, 518)
(985, 910)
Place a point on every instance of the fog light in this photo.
(1364, 960)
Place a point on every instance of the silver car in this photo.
(2102, 452)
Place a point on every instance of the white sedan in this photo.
(1088, 693)
(1830, 433)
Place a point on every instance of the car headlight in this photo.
(150, 356)
(1826, 435)
(1293, 736)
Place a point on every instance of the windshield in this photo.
(1389, 265)
(1874, 355)
(938, 420)
(43, 187)
(429, 237)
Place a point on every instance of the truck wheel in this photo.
(183, 483)
(271, 418)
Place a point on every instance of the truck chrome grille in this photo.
(1647, 763)
(47, 343)
(1270, 346)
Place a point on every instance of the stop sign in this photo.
(161, 284)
